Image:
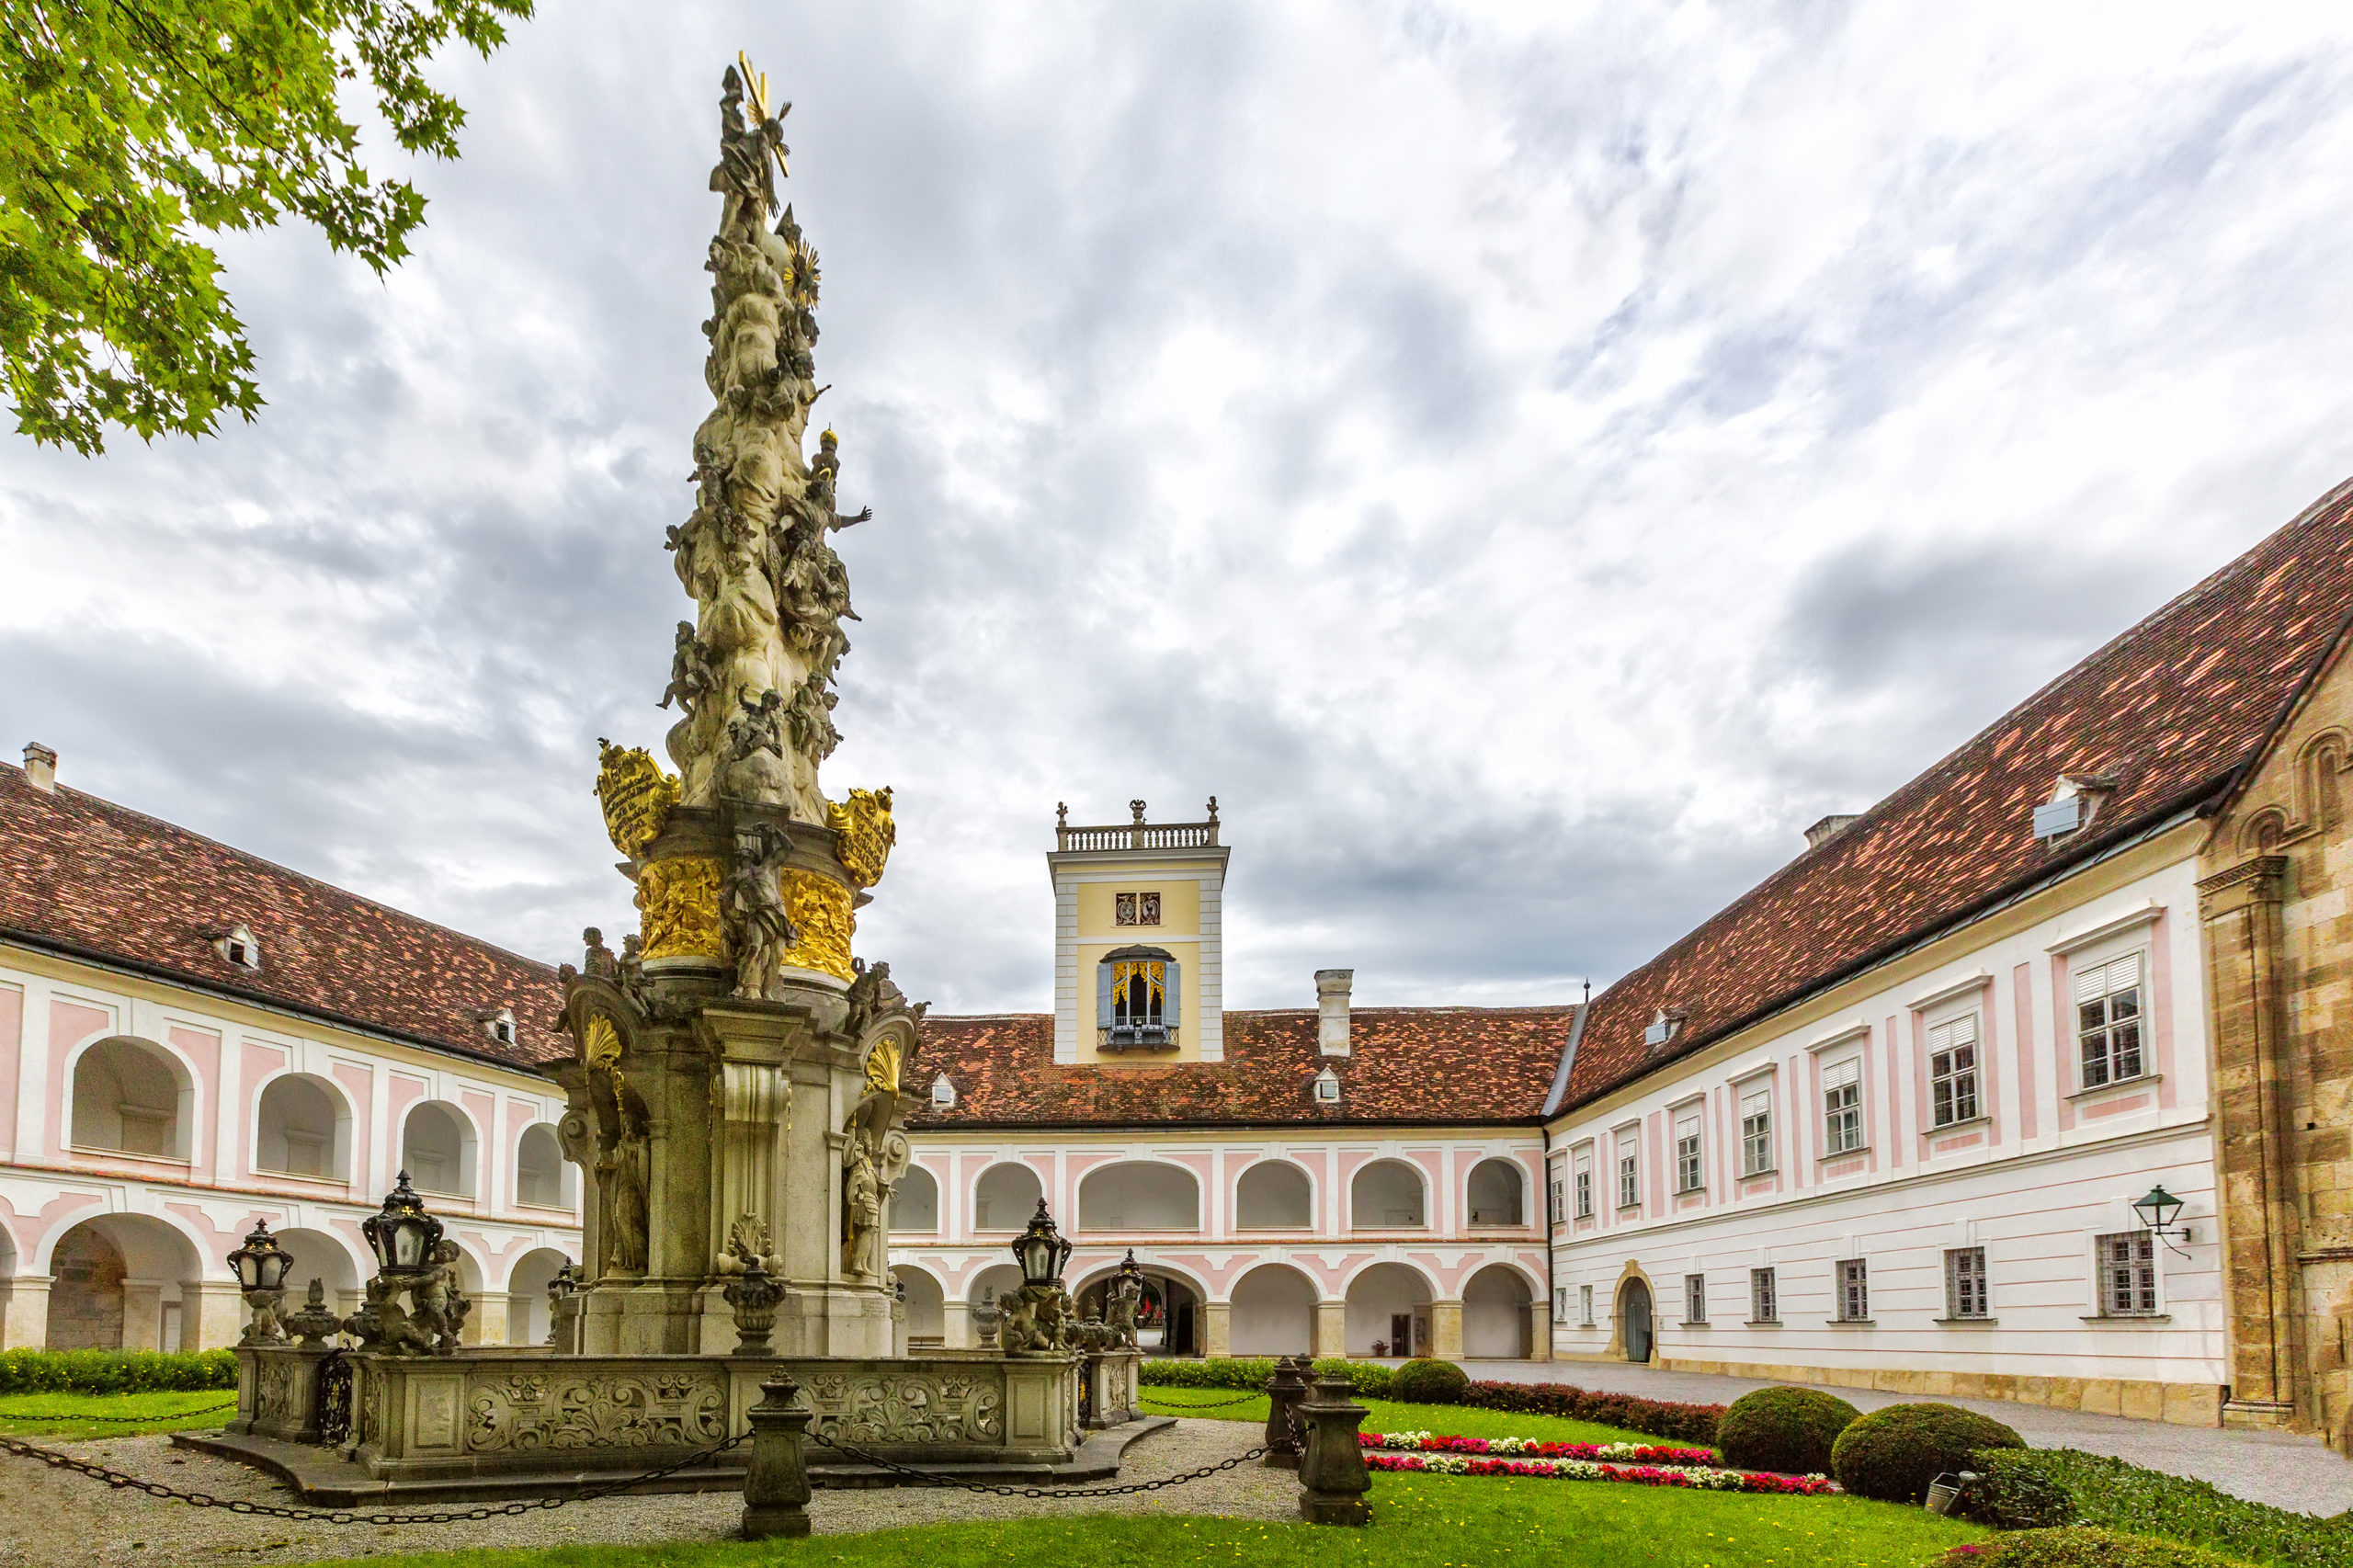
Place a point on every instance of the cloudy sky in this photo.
(1527, 466)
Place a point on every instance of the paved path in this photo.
(2278, 1468)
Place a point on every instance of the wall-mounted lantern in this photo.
(2157, 1210)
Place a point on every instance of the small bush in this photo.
(2013, 1494)
(2117, 1494)
(1893, 1453)
(1429, 1382)
(1655, 1417)
(1251, 1372)
(115, 1371)
(1789, 1430)
(2082, 1547)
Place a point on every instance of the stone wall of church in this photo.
(2276, 898)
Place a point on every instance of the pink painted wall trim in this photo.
(2022, 1009)
(2160, 1006)
(2064, 1051)
(71, 1025)
(12, 1039)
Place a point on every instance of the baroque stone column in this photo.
(1331, 1329)
(1446, 1329)
(2240, 910)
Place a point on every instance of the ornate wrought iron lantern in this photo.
(1127, 1284)
(1042, 1251)
(261, 1264)
(402, 1235)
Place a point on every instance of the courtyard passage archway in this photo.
(1273, 1313)
(1496, 1324)
(1388, 1312)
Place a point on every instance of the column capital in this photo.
(2253, 881)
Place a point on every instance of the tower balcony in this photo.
(1137, 834)
(1136, 1037)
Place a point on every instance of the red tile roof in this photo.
(83, 875)
(2171, 710)
(1406, 1065)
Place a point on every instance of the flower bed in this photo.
(1530, 1448)
(1640, 1463)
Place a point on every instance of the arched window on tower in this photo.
(1137, 1000)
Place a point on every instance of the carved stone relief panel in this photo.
(881, 1407)
(518, 1411)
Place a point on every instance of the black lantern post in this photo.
(2157, 1210)
(262, 1264)
(402, 1235)
(1042, 1251)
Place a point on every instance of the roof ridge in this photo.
(105, 806)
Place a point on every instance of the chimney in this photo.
(1332, 1011)
(1828, 828)
(41, 767)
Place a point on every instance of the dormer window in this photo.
(2074, 801)
(1327, 1088)
(1136, 1000)
(500, 1024)
(1664, 1026)
(237, 944)
(943, 1094)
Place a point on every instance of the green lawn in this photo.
(1418, 1522)
(68, 1414)
(1446, 1420)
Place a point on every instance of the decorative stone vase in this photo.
(754, 1294)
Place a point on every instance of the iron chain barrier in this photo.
(1221, 1405)
(122, 1482)
(1049, 1493)
(120, 1420)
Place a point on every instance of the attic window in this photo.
(1664, 1024)
(237, 944)
(500, 1026)
(943, 1094)
(1327, 1088)
(2074, 801)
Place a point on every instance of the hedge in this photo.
(1897, 1451)
(1660, 1418)
(1784, 1429)
(1424, 1382)
(1369, 1378)
(115, 1371)
(2120, 1495)
(2077, 1546)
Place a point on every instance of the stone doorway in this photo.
(1634, 1319)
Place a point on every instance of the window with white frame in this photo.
(1584, 1304)
(1854, 1291)
(1690, 1176)
(1842, 1106)
(1965, 1294)
(1582, 1180)
(1764, 1297)
(1630, 1171)
(1561, 1304)
(1553, 1211)
(2108, 1021)
(2128, 1275)
(1756, 1130)
(1952, 1071)
(1695, 1297)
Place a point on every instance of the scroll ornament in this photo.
(819, 909)
(635, 794)
(863, 834)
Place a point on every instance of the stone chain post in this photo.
(1284, 1391)
(1333, 1479)
(776, 1483)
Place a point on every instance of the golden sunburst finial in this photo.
(756, 87)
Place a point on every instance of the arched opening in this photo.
(132, 1097)
(1273, 1313)
(528, 1308)
(1388, 1312)
(437, 1150)
(995, 1281)
(321, 1256)
(543, 1178)
(1140, 1195)
(914, 1204)
(1004, 1197)
(926, 1307)
(1496, 1323)
(1498, 1193)
(1388, 1195)
(303, 1130)
(1634, 1319)
(118, 1285)
(1274, 1195)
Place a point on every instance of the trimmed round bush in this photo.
(2080, 1546)
(2013, 1494)
(1786, 1430)
(1893, 1454)
(1429, 1382)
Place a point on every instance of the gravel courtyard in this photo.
(60, 1519)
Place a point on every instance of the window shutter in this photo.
(2103, 980)
(1844, 1074)
(1102, 995)
(1755, 1104)
(1169, 1005)
(1954, 1033)
(1688, 1126)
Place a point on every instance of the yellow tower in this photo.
(1139, 963)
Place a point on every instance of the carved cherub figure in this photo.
(824, 477)
(691, 676)
(760, 727)
(812, 718)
